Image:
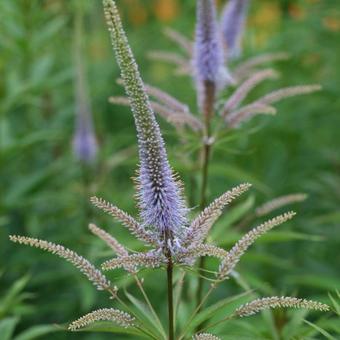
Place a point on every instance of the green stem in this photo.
(208, 110)
(170, 299)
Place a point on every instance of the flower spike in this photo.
(159, 196)
(232, 25)
(208, 49)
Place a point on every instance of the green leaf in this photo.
(320, 330)
(239, 175)
(318, 281)
(108, 327)
(146, 316)
(335, 303)
(291, 329)
(9, 300)
(285, 236)
(228, 305)
(36, 332)
(7, 327)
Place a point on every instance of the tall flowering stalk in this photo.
(207, 62)
(208, 58)
(233, 25)
(84, 140)
(164, 227)
(159, 196)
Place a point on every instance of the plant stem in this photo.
(170, 299)
(208, 110)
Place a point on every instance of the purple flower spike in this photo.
(208, 49)
(232, 25)
(84, 141)
(159, 195)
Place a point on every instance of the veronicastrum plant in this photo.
(171, 239)
(212, 60)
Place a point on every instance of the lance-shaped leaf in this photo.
(128, 221)
(273, 302)
(233, 24)
(279, 202)
(201, 225)
(235, 253)
(87, 268)
(119, 317)
(159, 195)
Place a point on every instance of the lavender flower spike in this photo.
(84, 140)
(232, 25)
(159, 195)
(208, 50)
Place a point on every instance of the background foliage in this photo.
(44, 191)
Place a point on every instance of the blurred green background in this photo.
(44, 191)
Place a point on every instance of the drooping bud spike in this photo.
(232, 26)
(159, 195)
(237, 251)
(105, 314)
(273, 302)
(87, 268)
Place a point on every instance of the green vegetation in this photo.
(45, 191)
